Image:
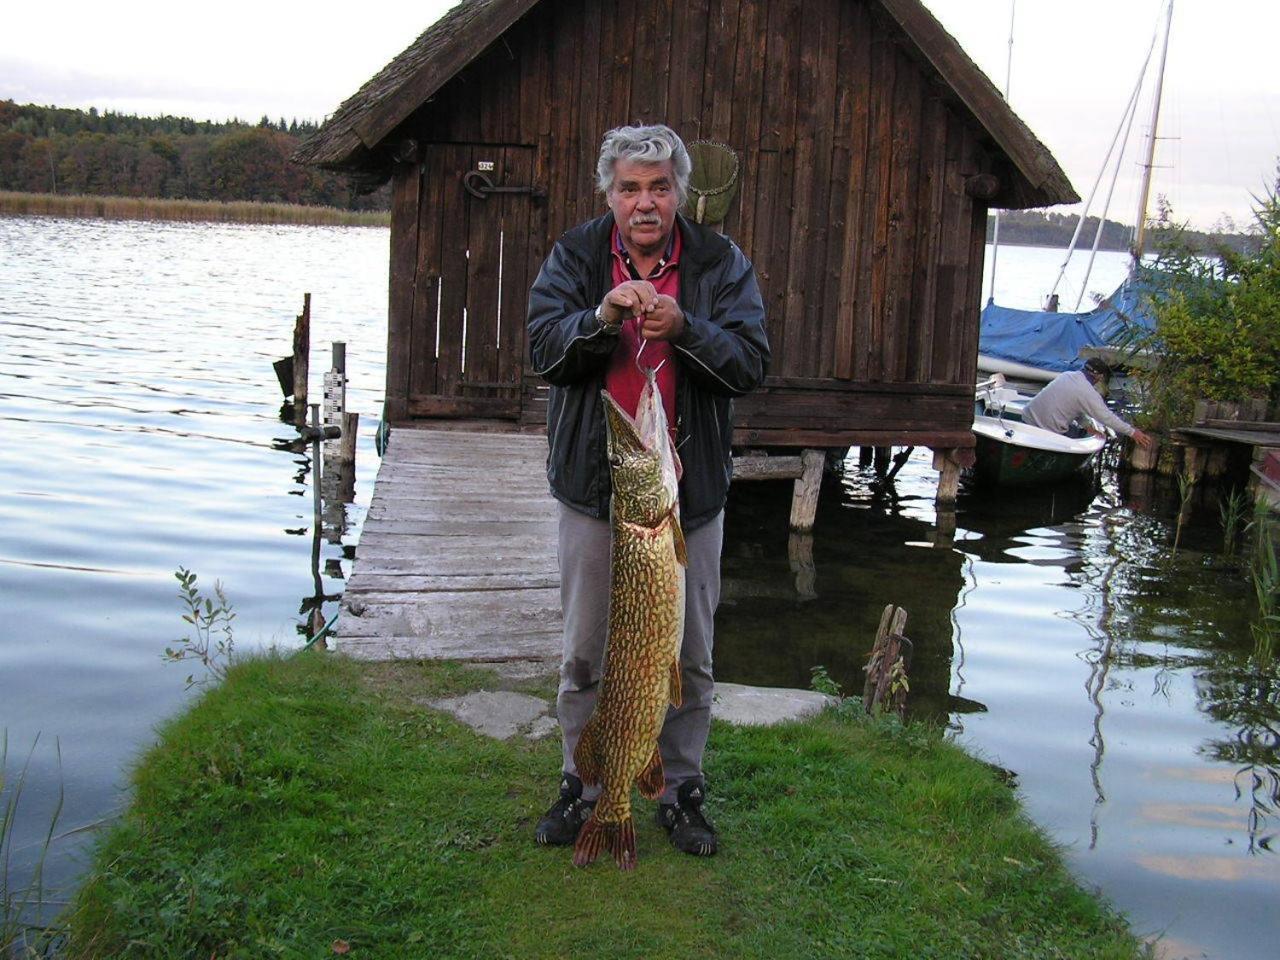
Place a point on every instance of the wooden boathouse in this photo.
(871, 149)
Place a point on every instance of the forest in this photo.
(1046, 228)
(66, 151)
(59, 150)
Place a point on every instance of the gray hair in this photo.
(653, 144)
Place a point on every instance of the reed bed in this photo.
(151, 208)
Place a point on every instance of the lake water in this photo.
(1058, 636)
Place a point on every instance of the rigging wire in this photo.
(1102, 221)
(1126, 121)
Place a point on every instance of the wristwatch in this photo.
(604, 324)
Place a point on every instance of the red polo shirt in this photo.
(623, 379)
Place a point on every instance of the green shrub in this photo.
(1217, 332)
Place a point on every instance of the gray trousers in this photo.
(584, 595)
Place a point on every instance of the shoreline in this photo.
(316, 804)
(13, 203)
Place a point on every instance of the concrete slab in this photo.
(765, 706)
(503, 714)
(517, 670)
(500, 714)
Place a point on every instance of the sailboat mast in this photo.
(1139, 237)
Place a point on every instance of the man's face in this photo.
(643, 201)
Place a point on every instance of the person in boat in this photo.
(1074, 395)
(642, 275)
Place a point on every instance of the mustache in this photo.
(645, 219)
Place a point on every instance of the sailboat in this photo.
(1037, 345)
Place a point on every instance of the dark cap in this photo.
(1098, 368)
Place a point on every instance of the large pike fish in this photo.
(619, 745)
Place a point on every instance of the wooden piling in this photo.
(886, 684)
(948, 466)
(347, 446)
(804, 497)
(301, 360)
(883, 456)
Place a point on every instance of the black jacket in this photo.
(723, 352)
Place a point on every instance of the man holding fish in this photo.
(646, 325)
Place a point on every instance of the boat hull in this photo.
(1009, 453)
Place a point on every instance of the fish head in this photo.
(642, 462)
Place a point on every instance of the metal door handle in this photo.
(480, 186)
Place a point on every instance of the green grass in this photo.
(310, 801)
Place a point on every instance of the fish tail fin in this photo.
(586, 755)
(618, 838)
(652, 780)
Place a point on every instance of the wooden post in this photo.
(883, 455)
(759, 467)
(804, 497)
(948, 468)
(301, 360)
(350, 427)
(1144, 459)
(864, 456)
(886, 669)
(1193, 463)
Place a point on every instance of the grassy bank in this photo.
(149, 208)
(310, 807)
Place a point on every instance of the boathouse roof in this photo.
(358, 138)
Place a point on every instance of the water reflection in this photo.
(789, 604)
(1059, 635)
(1055, 632)
(141, 433)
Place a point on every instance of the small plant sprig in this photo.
(210, 640)
(1231, 509)
(19, 927)
(822, 682)
(1264, 568)
(1186, 487)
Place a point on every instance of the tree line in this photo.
(68, 151)
(1044, 228)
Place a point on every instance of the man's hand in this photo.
(628, 299)
(1141, 439)
(662, 320)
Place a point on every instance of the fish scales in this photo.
(618, 746)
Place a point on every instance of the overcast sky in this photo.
(1074, 65)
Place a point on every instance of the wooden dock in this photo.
(457, 558)
(1217, 427)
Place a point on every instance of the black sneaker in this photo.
(689, 830)
(559, 826)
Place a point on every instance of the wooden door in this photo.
(477, 210)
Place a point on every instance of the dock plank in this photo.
(457, 557)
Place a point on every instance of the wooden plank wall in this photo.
(855, 155)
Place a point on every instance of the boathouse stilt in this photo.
(949, 464)
(883, 457)
(804, 496)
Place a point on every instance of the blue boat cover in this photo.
(1053, 341)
